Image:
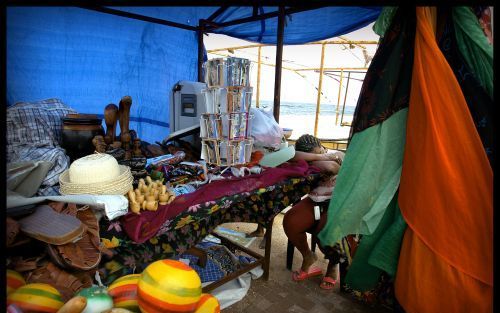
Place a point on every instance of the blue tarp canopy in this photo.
(89, 59)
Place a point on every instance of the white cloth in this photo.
(113, 205)
(236, 289)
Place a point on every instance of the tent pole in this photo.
(258, 79)
(338, 100)
(318, 99)
(200, 51)
(279, 59)
(345, 98)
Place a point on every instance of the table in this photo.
(189, 228)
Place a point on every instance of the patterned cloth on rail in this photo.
(34, 134)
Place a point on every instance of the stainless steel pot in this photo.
(210, 151)
(225, 72)
(211, 126)
(215, 98)
(237, 152)
(239, 99)
(227, 152)
(240, 125)
(226, 126)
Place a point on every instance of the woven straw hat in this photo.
(97, 174)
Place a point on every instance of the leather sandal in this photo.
(84, 254)
(13, 229)
(67, 284)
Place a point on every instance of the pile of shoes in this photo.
(64, 246)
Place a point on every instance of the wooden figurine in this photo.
(125, 104)
(111, 115)
(137, 148)
(99, 144)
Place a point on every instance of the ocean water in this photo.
(301, 109)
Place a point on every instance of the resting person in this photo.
(309, 148)
(301, 217)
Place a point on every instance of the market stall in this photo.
(96, 211)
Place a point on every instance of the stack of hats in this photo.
(98, 174)
(225, 129)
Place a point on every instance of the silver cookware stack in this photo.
(226, 127)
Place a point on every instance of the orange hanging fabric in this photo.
(446, 193)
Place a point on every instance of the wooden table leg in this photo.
(267, 254)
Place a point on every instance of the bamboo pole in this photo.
(318, 99)
(338, 100)
(338, 69)
(333, 69)
(328, 42)
(263, 63)
(258, 79)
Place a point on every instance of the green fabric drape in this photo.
(384, 20)
(474, 46)
(367, 180)
(385, 253)
(379, 251)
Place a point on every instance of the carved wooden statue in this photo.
(111, 115)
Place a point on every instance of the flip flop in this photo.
(327, 283)
(301, 275)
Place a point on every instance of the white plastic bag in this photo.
(265, 130)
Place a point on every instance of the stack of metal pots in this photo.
(226, 127)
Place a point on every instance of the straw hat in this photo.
(97, 174)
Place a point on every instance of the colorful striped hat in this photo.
(168, 285)
(36, 298)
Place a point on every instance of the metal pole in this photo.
(200, 51)
(318, 99)
(279, 59)
(258, 80)
(345, 97)
(338, 100)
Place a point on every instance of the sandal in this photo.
(68, 284)
(301, 275)
(327, 283)
(84, 254)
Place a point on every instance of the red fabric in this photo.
(144, 226)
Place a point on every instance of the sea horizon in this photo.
(295, 108)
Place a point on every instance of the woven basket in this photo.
(118, 186)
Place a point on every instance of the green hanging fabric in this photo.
(385, 253)
(474, 46)
(382, 248)
(367, 180)
(384, 20)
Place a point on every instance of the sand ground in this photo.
(280, 294)
(326, 126)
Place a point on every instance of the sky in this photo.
(295, 88)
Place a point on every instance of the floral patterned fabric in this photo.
(189, 228)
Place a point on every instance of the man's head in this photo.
(309, 143)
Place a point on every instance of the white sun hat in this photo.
(98, 174)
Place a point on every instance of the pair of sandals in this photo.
(327, 282)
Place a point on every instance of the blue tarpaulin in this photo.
(89, 59)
